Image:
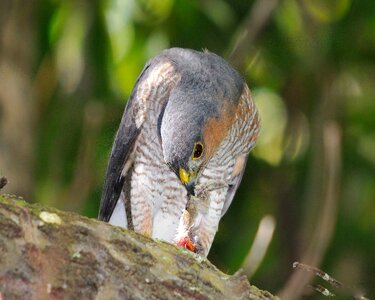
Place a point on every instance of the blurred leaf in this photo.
(126, 72)
(263, 71)
(327, 11)
(273, 118)
(297, 138)
(219, 12)
(157, 42)
(118, 17)
(57, 23)
(154, 10)
(69, 47)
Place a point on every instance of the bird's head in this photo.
(184, 148)
(189, 170)
(191, 130)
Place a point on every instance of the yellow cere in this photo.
(184, 176)
(50, 217)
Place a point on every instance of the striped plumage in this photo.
(182, 97)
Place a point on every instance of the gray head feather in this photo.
(206, 82)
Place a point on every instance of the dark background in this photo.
(68, 67)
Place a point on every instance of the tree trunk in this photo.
(50, 254)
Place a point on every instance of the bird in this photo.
(181, 148)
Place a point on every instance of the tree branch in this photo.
(49, 254)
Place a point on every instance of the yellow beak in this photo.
(188, 180)
(184, 176)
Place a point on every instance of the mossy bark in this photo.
(50, 254)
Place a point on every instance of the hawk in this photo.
(181, 149)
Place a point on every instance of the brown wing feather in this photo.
(131, 124)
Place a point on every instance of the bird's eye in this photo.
(198, 150)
